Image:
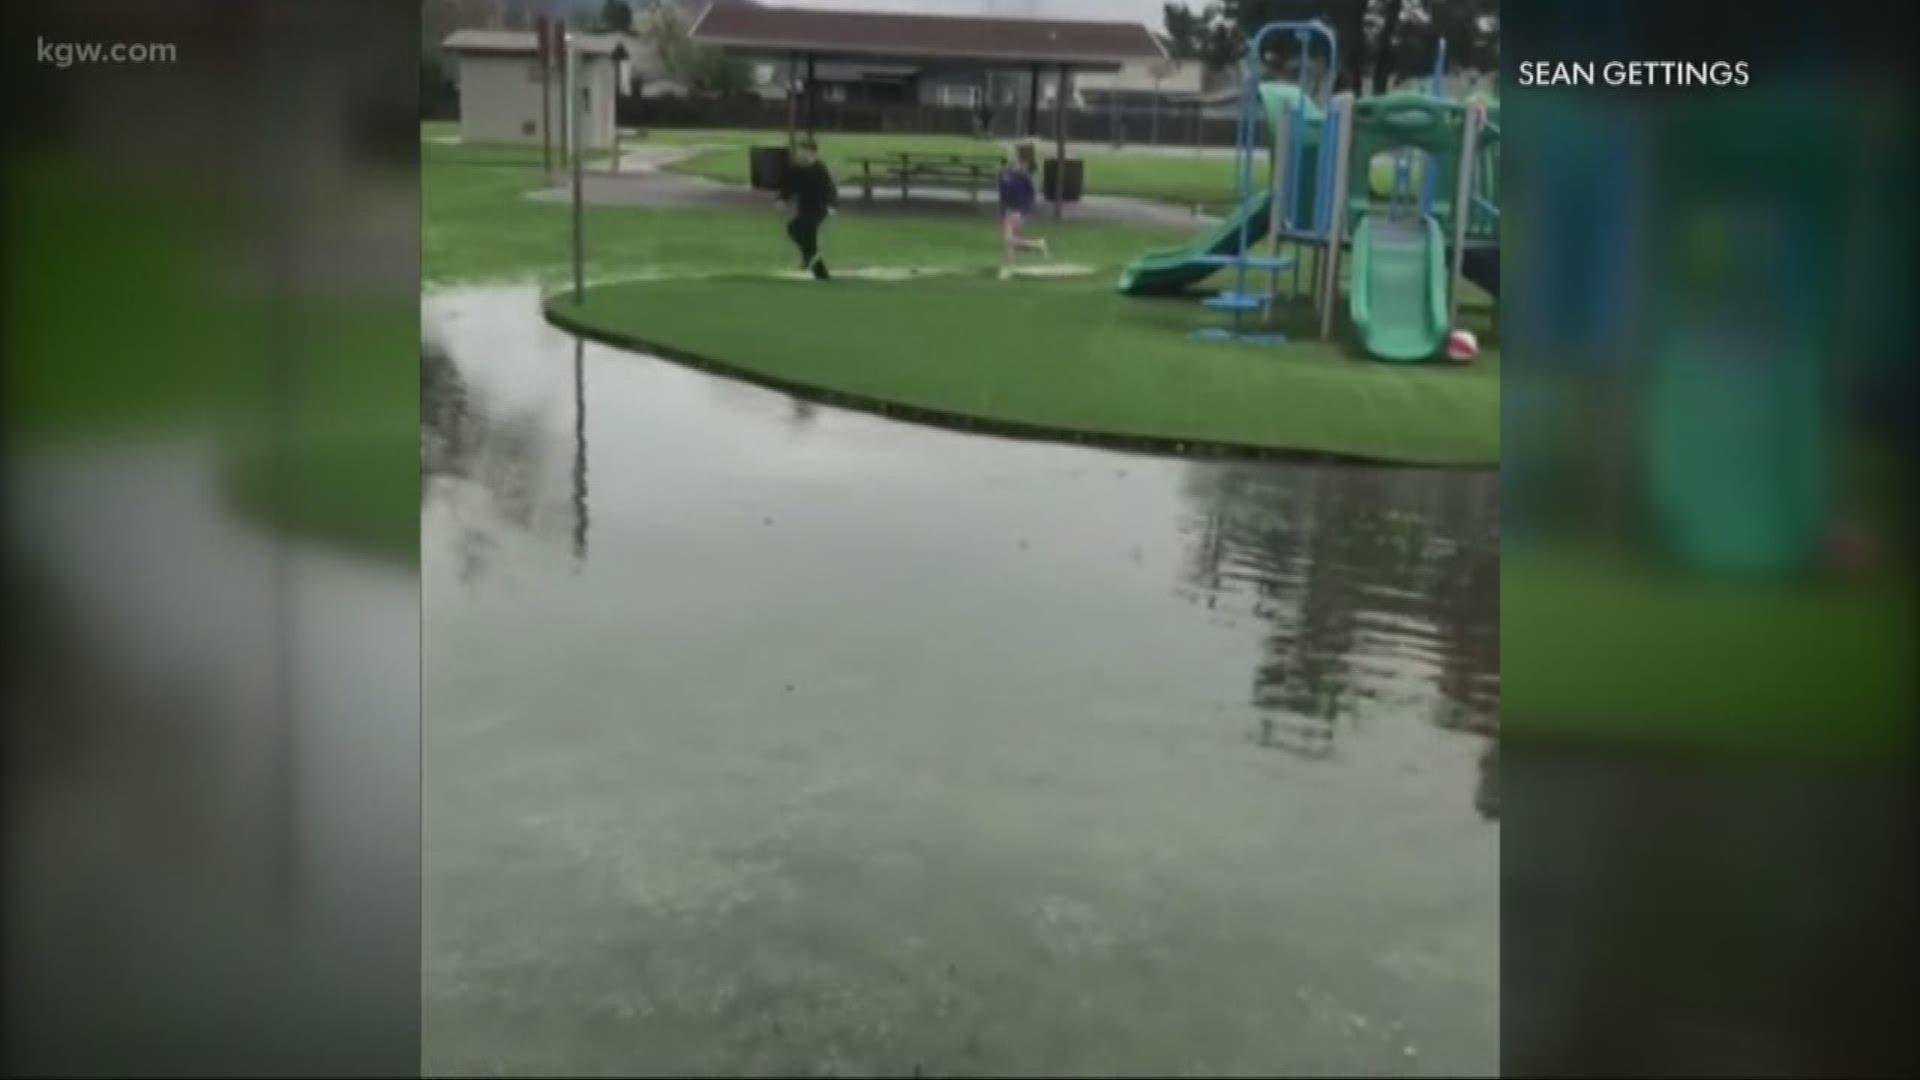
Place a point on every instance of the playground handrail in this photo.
(1437, 87)
(1254, 66)
(1323, 193)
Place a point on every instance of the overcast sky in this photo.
(1146, 11)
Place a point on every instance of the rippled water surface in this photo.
(763, 738)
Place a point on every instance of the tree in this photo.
(701, 68)
(1379, 41)
(667, 31)
(715, 71)
(1385, 45)
(1471, 29)
(1238, 20)
(1187, 31)
(615, 17)
(1409, 33)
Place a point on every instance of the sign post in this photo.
(574, 93)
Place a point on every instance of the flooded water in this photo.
(764, 738)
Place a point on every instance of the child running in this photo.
(1016, 202)
(808, 187)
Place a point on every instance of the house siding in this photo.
(500, 100)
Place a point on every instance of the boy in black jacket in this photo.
(809, 188)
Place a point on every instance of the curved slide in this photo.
(1398, 291)
(1174, 270)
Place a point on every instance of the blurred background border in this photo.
(1707, 620)
(211, 538)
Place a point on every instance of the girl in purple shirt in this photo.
(1016, 202)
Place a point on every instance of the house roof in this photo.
(523, 42)
(750, 27)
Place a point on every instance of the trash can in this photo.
(1050, 180)
(767, 166)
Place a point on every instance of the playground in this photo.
(807, 734)
(1360, 321)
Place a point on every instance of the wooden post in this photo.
(1060, 145)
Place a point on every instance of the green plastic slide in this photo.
(1398, 292)
(1174, 270)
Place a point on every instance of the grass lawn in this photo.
(1184, 178)
(1069, 356)
(1059, 356)
(477, 225)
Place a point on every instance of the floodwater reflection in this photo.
(1377, 587)
(854, 746)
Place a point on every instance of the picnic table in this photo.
(972, 171)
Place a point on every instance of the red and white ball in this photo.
(1462, 346)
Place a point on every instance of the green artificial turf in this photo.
(1062, 357)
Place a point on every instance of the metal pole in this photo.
(573, 143)
(1290, 154)
(568, 117)
(1243, 162)
(1060, 146)
(1277, 192)
(1336, 230)
(1428, 163)
(1463, 207)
